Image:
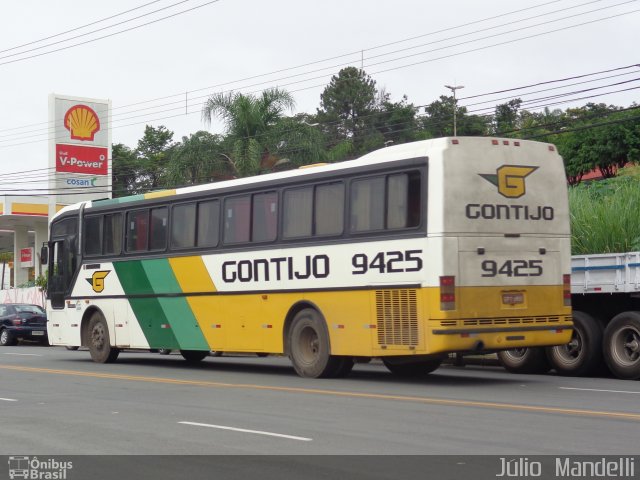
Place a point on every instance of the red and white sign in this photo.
(81, 159)
(26, 257)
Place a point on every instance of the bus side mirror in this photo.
(44, 254)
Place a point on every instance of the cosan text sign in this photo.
(81, 159)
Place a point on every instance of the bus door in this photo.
(63, 264)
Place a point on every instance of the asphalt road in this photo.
(58, 402)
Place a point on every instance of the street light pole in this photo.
(455, 105)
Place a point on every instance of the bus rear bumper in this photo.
(497, 338)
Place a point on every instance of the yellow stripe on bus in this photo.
(193, 277)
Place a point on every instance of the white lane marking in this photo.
(25, 354)
(243, 430)
(8, 399)
(598, 390)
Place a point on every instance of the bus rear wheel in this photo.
(411, 367)
(194, 356)
(309, 348)
(524, 360)
(622, 345)
(583, 354)
(99, 341)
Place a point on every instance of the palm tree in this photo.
(249, 123)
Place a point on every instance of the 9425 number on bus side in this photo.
(512, 268)
(387, 262)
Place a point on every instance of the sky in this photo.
(160, 73)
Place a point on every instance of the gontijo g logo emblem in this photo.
(510, 179)
(97, 280)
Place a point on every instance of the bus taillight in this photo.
(566, 289)
(448, 293)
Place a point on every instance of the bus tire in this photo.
(583, 354)
(72, 348)
(309, 349)
(524, 360)
(622, 345)
(99, 341)
(403, 367)
(194, 356)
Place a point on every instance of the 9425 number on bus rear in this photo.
(512, 268)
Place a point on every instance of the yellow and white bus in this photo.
(408, 253)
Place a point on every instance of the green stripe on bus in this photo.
(176, 309)
(116, 201)
(148, 311)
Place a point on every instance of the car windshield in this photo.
(29, 309)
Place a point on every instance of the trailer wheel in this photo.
(415, 367)
(583, 354)
(99, 341)
(524, 360)
(622, 345)
(309, 348)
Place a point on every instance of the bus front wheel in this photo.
(99, 341)
(309, 348)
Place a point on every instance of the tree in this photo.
(249, 122)
(198, 159)
(153, 153)
(126, 168)
(347, 105)
(505, 119)
(600, 137)
(439, 120)
(397, 121)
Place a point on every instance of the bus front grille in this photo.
(397, 317)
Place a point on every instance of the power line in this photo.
(108, 35)
(372, 48)
(78, 28)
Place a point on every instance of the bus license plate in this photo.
(513, 298)
(37, 333)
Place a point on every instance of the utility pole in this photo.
(455, 105)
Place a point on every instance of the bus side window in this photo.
(329, 209)
(367, 204)
(158, 230)
(93, 235)
(112, 234)
(137, 230)
(403, 200)
(237, 219)
(297, 212)
(208, 224)
(183, 226)
(264, 217)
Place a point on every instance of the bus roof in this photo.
(389, 154)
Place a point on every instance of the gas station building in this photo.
(79, 157)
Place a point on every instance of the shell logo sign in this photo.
(82, 122)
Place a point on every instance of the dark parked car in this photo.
(22, 321)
